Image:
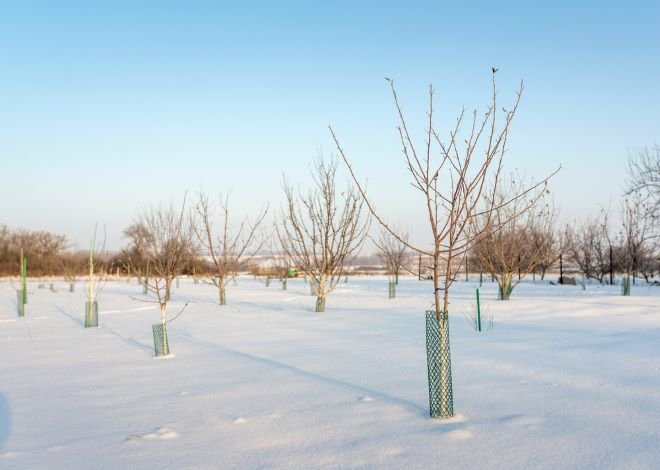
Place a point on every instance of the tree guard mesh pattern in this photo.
(161, 345)
(91, 314)
(19, 303)
(625, 286)
(438, 357)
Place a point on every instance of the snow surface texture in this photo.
(566, 379)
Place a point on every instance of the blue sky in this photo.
(109, 106)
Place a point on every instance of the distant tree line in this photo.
(509, 245)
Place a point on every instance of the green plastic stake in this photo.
(90, 294)
(478, 312)
(23, 278)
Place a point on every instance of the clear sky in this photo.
(106, 106)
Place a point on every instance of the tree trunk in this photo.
(284, 279)
(166, 348)
(625, 286)
(505, 287)
(222, 291)
(320, 304)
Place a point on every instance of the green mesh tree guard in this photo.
(19, 303)
(504, 292)
(313, 287)
(91, 314)
(625, 286)
(438, 357)
(161, 345)
(391, 290)
(24, 279)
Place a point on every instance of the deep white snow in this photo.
(568, 378)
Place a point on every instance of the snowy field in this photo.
(568, 378)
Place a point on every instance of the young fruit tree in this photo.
(393, 254)
(96, 280)
(545, 238)
(321, 230)
(167, 247)
(638, 230)
(279, 260)
(588, 246)
(511, 246)
(225, 246)
(451, 175)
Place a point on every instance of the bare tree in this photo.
(167, 244)
(588, 246)
(451, 174)
(97, 279)
(44, 250)
(638, 225)
(545, 239)
(226, 246)
(511, 245)
(319, 232)
(393, 254)
(644, 177)
(72, 264)
(280, 259)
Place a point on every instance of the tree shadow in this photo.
(148, 349)
(76, 320)
(403, 403)
(130, 341)
(5, 421)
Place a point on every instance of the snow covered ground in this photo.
(568, 378)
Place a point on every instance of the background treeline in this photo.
(592, 249)
(511, 241)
